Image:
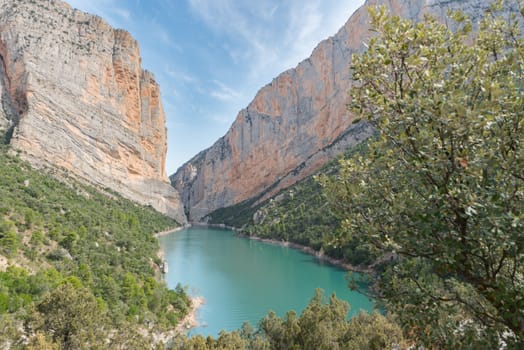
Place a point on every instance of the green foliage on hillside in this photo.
(237, 215)
(67, 241)
(321, 326)
(299, 214)
(302, 215)
(442, 187)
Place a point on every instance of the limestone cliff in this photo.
(74, 96)
(296, 123)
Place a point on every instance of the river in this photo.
(242, 279)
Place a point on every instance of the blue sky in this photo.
(210, 57)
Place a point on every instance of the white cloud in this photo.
(275, 35)
(220, 118)
(161, 32)
(122, 13)
(179, 75)
(224, 92)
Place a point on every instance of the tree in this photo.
(40, 342)
(325, 326)
(373, 332)
(128, 337)
(441, 186)
(9, 240)
(10, 333)
(72, 317)
(320, 326)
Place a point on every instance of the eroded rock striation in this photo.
(296, 123)
(74, 96)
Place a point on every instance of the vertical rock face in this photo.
(74, 96)
(296, 123)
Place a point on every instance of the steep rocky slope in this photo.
(74, 96)
(296, 123)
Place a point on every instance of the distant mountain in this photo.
(74, 96)
(296, 123)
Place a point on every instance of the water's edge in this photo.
(190, 321)
(366, 269)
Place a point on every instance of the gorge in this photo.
(89, 108)
(437, 220)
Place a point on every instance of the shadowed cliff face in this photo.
(74, 96)
(296, 123)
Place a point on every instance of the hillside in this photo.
(61, 239)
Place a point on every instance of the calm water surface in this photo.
(241, 280)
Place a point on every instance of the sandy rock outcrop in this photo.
(296, 123)
(74, 96)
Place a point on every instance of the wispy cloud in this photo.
(275, 35)
(122, 13)
(224, 92)
(237, 20)
(220, 118)
(179, 75)
(162, 33)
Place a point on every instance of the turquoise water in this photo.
(241, 279)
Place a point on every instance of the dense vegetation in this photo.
(81, 264)
(321, 326)
(238, 215)
(442, 186)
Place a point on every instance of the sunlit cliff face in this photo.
(85, 103)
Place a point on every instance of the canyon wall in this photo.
(74, 96)
(296, 123)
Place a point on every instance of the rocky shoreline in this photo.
(308, 250)
(168, 231)
(191, 319)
